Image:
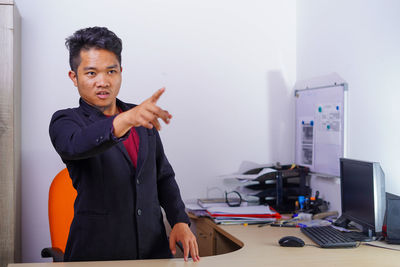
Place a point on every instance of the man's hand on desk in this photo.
(181, 233)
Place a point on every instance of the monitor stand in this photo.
(355, 235)
(341, 222)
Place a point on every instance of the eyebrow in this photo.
(112, 66)
(108, 67)
(89, 68)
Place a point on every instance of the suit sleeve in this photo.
(168, 190)
(74, 140)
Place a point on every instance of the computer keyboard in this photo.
(328, 237)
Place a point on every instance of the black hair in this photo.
(92, 37)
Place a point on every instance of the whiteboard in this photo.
(320, 128)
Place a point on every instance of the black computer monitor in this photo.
(363, 194)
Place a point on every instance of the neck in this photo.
(109, 110)
(106, 110)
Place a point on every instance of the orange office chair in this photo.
(61, 212)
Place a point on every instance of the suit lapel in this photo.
(122, 148)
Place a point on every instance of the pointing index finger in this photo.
(154, 98)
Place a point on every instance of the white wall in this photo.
(360, 41)
(229, 67)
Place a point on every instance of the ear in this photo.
(74, 78)
(121, 68)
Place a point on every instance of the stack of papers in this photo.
(216, 202)
(247, 214)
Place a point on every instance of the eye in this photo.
(112, 71)
(90, 73)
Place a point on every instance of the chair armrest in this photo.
(55, 253)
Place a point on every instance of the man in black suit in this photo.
(116, 161)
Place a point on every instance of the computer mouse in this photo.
(291, 241)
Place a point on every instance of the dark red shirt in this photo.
(132, 144)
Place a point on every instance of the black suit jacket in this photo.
(117, 209)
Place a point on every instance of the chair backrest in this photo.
(61, 208)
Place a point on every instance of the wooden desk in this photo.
(260, 248)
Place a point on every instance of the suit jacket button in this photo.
(139, 212)
(137, 181)
(97, 140)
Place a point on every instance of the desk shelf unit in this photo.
(281, 189)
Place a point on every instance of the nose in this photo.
(102, 81)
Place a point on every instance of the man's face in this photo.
(98, 79)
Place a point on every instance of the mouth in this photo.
(102, 94)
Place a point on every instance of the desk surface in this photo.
(261, 249)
